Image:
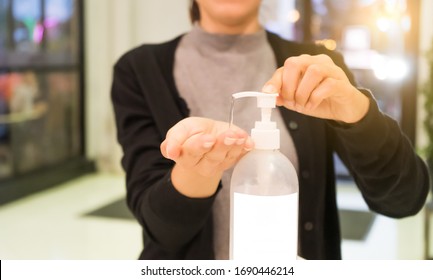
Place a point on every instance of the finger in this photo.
(311, 79)
(163, 148)
(273, 85)
(320, 95)
(322, 58)
(214, 160)
(294, 68)
(194, 148)
(178, 134)
(243, 139)
(327, 80)
(327, 102)
(223, 144)
(243, 145)
(232, 156)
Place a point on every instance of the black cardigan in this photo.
(392, 179)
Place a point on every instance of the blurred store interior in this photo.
(61, 185)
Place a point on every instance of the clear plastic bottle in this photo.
(264, 195)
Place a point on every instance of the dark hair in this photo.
(194, 11)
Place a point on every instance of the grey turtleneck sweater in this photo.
(208, 69)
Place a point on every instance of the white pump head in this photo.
(265, 134)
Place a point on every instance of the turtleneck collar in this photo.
(226, 43)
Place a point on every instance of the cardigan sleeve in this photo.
(170, 219)
(392, 178)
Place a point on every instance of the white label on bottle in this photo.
(265, 227)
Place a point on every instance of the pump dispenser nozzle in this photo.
(265, 134)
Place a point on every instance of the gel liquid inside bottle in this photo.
(264, 194)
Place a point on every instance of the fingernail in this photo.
(269, 89)
(240, 141)
(208, 144)
(166, 153)
(249, 145)
(229, 141)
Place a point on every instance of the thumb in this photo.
(172, 145)
(273, 85)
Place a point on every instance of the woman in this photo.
(171, 101)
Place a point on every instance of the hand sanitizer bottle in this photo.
(264, 194)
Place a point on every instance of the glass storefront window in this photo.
(41, 103)
(39, 123)
(39, 33)
(376, 38)
(371, 35)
